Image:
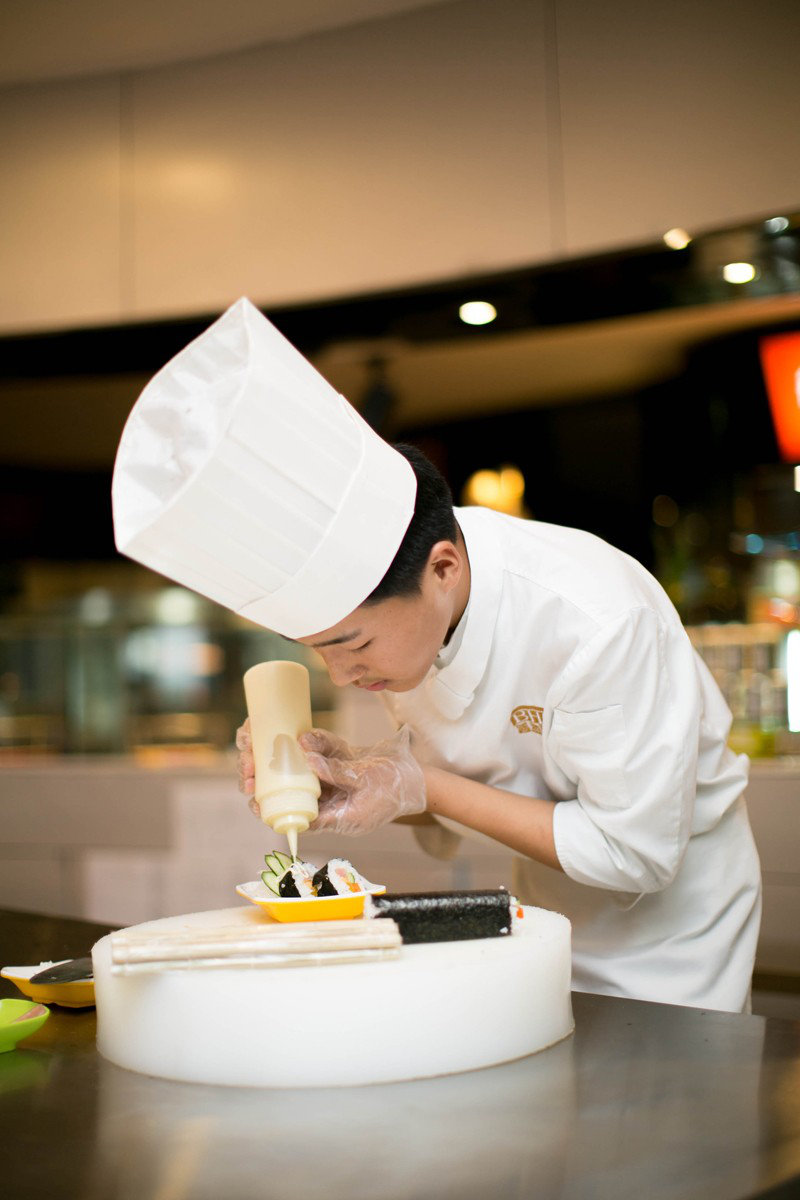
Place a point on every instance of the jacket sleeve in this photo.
(624, 733)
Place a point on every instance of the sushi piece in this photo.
(288, 878)
(340, 878)
(446, 916)
(297, 881)
(292, 879)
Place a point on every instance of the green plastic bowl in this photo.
(18, 1020)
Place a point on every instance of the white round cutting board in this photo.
(439, 1008)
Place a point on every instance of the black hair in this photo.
(433, 521)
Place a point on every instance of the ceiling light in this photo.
(677, 239)
(777, 224)
(477, 312)
(738, 272)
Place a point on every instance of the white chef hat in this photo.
(242, 474)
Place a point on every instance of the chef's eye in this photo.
(363, 646)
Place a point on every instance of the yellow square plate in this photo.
(306, 908)
(79, 994)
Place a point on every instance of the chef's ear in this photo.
(446, 562)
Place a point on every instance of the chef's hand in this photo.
(246, 765)
(363, 788)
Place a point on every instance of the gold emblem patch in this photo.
(527, 718)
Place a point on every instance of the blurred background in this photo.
(555, 243)
(617, 186)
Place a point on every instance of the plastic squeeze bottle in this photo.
(279, 706)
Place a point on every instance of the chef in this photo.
(545, 692)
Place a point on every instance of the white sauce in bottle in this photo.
(279, 706)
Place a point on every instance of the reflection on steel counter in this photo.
(647, 1100)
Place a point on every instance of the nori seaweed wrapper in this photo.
(325, 883)
(287, 886)
(296, 881)
(445, 916)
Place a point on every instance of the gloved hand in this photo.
(363, 787)
(246, 765)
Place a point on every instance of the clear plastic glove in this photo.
(364, 787)
(246, 766)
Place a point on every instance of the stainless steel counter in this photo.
(645, 1102)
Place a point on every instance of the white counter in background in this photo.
(112, 841)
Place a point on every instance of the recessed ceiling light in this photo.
(738, 272)
(677, 239)
(477, 312)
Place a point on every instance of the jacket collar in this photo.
(451, 688)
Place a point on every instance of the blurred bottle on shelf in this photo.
(750, 663)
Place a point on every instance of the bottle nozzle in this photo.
(292, 825)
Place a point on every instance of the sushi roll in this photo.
(340, 878)
(446, 916)
(296, 882)
(288, 878)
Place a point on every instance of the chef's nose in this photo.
(342, 673)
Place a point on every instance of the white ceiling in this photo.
(44, 40)
(59, 39)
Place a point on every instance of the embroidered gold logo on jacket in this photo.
(527, 718)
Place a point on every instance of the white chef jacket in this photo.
(574, 680)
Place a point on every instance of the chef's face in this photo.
(391, 645)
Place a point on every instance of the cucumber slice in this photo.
(277, 862)
(271, 881)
